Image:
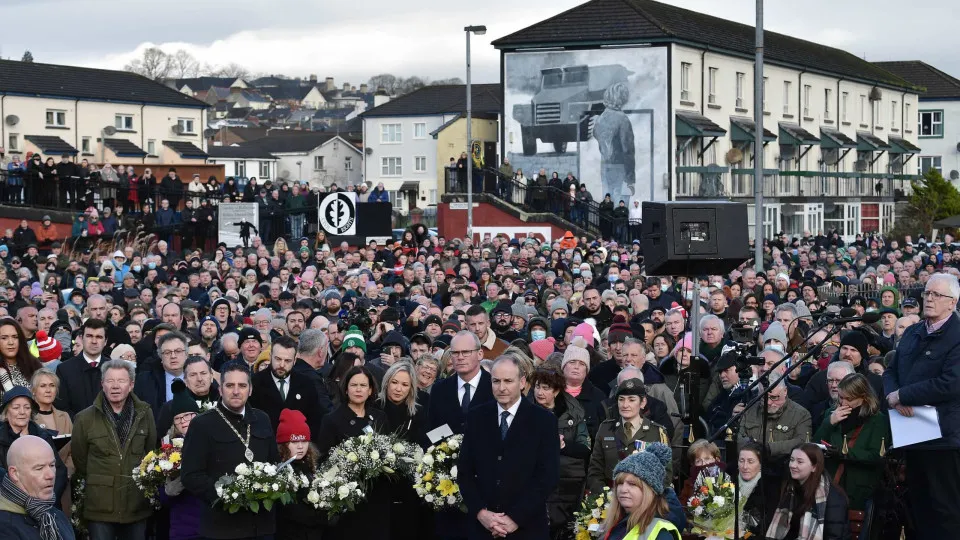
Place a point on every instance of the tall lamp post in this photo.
(758, 143)
(478, 30)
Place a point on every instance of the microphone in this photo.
(850, 315)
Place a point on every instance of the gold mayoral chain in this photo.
(246, 443)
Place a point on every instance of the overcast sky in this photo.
(351, 40)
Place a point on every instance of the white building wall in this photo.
(945, 146)
(408, 150)
(335, 153)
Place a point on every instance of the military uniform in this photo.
(786, 428)
(612, 445)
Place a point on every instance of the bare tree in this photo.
(410, 84)
(452, 80)
(155, 64)
(184, 65)
(234, 70)
(385, 80)
(27, 57)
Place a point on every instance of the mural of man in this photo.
(614, 135)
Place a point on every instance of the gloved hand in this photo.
(173, 487)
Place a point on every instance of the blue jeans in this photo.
(117, 531)
(296, 226)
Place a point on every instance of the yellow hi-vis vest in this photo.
(653, 530)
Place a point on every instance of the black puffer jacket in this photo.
(591, 400)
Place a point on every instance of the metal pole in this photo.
(469, 148)
(758, 144)
(695, 317)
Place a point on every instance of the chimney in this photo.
(380, 98)
(346, 87)
(235, 90)
(363, 88)
(353, 88)
(313, 78)
(381, 91)
(330, 86)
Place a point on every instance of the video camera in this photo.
(744, 350)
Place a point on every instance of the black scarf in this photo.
(852, 421)
(40, 510)
(121, 422)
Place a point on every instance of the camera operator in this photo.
(733, 394)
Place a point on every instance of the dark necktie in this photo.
(503, 424)
(465, 401)
(283, 389)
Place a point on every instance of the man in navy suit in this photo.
(450, 399)
(280, 387)
(509, 461)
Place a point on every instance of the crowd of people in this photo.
(566, 369)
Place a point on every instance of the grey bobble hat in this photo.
(649, 465)
(559, 303)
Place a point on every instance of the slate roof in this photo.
(442, 99)
(291, 141)
(51, 145)
(35, 79)
(202, 83)
(124, 148)
(186, 150)
(239, 152)
(937, 84)
(605, 21)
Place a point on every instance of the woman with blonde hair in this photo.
(45, 385)
(639, 497)
(279, 247)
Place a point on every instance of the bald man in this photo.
(31, 472)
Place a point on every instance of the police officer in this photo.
(623, 435)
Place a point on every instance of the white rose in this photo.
(375, 455)
(595, 513)
(166, 465)
(178, 443)
(324, 484)
(718, 500)
(219, 491)
(428, 498)
(313, 497)
(352, 457)
(398, 448)
(453, 472)
(275, 487)
(451, 499)
(453, 444)
(698, 510)
(234, 496)
(257, 485)
(343, 492)
(359, 493)
(270, 470)
(428, 460)
(391, 456)
(242, 469)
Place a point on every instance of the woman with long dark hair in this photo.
(298, 520)
(19, 364)
(811, 506)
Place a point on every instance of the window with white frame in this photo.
(806, 100)
(240, 168)
(786, 97)
(396, 198)
(827, 98)
(835, 218)
(712, 86)
(123, 122)
(56, 118)
(764, 94)
(186, 125)
(420, 130)
(931, 124)
(391, 134)
(931, 162)
(318, 163)
(151, 147)
(906, 115)
(420, 164)
(432, 196)
(348, 164)
(843, 106)
(85, 145)
(893, 115)
(265, 169)
(685, 68)
(863, 109)
(13, 141)
(740, 78)
(878, 113)
(391, 166)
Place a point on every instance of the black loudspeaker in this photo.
(692, 238)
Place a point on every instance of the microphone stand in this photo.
(727, 428)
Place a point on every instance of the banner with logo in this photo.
(237, 221)
(338, 214)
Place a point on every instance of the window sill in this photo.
(864, 126)
(741, 110)
(846, 123)
(65, 128)
(687, 103)
(766, 113)
(908, 131)
(90, 154)
(714, 106)
(894, 130)
(878, 128)
(828, 122)
(130, 131)
(808, 119)
(788, 116)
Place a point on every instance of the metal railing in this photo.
(723, 182)
(530, 197)
(831, 292)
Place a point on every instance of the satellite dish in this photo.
(209, 132)
(284, 174)
(955, 175)
(12, 119)
(177, 129)
(861, 165)
(368, 151)
(109, 130)
(958, 144)
(734, 156)
(875, 94)
(831, 157)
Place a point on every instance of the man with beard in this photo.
(280, 387)
(210, 334)
(835, 373)
(295, 324)
(332, 312)
(594, 308)
(198, 378)
(502, 315)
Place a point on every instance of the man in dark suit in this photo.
(451, 397)
(97, 309)
(280, 388)
(311, 358)
(80, 375)
(509, 461)
(220, 443)
(198, 376)
(155, 386)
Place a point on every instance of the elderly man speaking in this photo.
(28, 507)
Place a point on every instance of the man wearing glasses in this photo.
(788, 424)
(926, 371)
(154, 386)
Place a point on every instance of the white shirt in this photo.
(90, 360)
(474, 383)
(286, 385)
(512, 410)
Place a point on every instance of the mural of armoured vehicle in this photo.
(562, 109)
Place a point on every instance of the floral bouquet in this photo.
(712, 504)
(156, 468)
(257, 484)
(435, 478)
(344, 479)
(588, 520)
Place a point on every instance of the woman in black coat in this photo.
(298, 520)
(354, 417)
(406, 410)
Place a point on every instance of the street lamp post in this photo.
(758, 143)
(478, 30)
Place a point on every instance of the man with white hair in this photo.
(788, 424)
(712, 329)
(926, 371)
(835, 373)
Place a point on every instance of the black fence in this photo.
(582, 211)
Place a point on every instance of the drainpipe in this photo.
(143, 143)
(3, 121)
(76, 124)
(703, 72)
(800, 98)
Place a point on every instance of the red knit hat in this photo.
(49, 348)
(293, 427)
(542, 348)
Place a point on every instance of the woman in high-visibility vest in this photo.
(639, 497)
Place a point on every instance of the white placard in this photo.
(439, 434)
(229, 217)
(923, 426)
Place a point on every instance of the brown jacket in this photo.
(493, 346)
